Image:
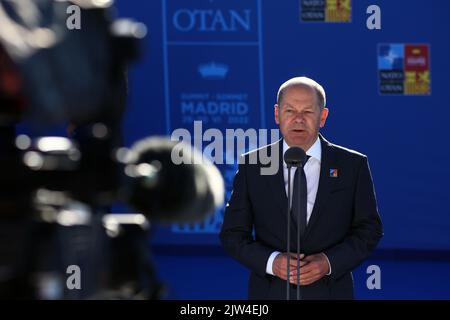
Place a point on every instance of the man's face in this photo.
(300, 117)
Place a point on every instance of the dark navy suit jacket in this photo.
(344, 224)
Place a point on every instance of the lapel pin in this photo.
(333, 173)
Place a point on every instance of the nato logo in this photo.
(390, 57)
(213, 71)
(339, 11)
(404, 69)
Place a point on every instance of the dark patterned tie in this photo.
(300, 198)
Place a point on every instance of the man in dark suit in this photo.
(342, 222)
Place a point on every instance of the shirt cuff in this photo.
(270, 262)
(329, 273)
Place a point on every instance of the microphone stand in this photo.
(289, 166)
(299, 297)
(294, 156)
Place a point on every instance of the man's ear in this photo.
(323, 117)
(276, 111)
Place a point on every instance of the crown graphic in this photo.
(213, 70)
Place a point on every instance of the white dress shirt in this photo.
(312, 172)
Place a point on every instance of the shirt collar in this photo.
(315, 151)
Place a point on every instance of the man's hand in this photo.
(315, 268)
(312, 268)
(279, 267)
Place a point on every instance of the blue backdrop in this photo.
(222, 61)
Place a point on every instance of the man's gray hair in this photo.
(305, 82)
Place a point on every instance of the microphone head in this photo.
(295, 156)
(168, 192)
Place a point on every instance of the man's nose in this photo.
(299, 117)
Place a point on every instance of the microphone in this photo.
(294, 157)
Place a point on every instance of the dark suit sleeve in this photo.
(366, 229)
(236, 234)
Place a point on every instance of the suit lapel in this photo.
(326, 182)
(276, 181)
(277, 191)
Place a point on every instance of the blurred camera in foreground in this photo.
(56, 193)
